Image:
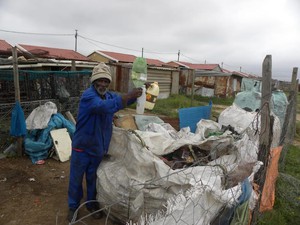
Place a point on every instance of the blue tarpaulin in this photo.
(38, 142)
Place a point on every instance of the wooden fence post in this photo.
(289, 125)
(17, 93)
(193, 83)
(266, 135)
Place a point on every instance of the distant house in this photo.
(5, 49)
(32, 57)
(44, 72)
(111, 57)
(51, 53)
(192, 66)
(207, 79)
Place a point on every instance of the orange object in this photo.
(268, 194)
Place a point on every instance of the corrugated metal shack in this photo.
(209, 82)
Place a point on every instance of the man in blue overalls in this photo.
(91, 139)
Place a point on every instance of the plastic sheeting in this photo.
(17, 125)
(40, 116)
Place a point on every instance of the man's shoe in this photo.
(95, 212)
(71, 215)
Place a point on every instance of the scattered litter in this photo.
(3, 179)
(31, 179)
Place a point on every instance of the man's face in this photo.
(101, 85)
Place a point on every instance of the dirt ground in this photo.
(37, 194)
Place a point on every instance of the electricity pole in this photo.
(75, 40)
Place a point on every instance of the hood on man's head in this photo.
(101, 71)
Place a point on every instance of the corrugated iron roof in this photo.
(127, 58)
(52, 53)
(118, 57)
(211, 73)
(193, 65)
(240, 73)
(5, 47)
(155, 62)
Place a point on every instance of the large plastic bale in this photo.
(135, 183)
(248, 125)
(248, 100)
(250, 85)
(279, 105)
(251, 102)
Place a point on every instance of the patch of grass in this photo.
(292, 162)
(215, 100)
(170, 106)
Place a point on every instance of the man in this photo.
(92, 137)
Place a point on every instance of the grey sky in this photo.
(233, 33)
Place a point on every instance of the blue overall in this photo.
(90, 142)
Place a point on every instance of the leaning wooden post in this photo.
(17, 93)
(265, 137)
(193, 83)
(289, 125)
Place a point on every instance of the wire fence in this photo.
(36, 88)
(6, 139)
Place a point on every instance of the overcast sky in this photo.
(237, 34)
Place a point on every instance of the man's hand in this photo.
(135, 93)
(147, 85)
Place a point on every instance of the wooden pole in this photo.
(289, 124)
(17, 93)
(265, 137)
(16, 74)
(193, 83)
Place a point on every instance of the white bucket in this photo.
(141, 101)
